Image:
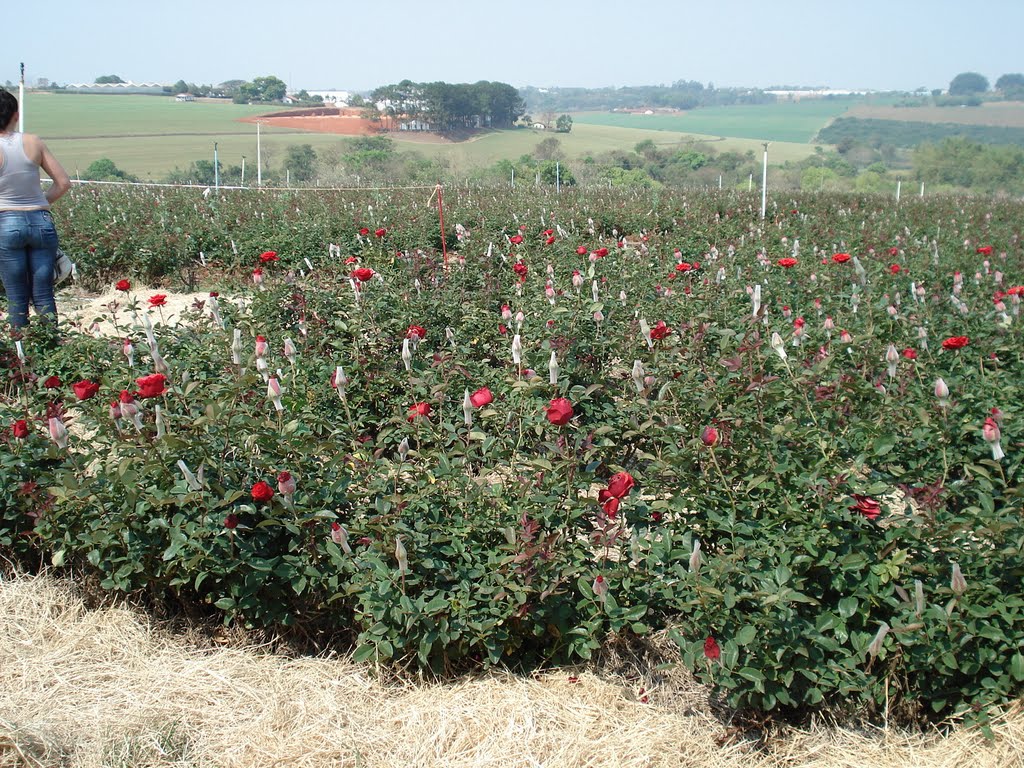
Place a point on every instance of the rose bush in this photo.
(842, 537)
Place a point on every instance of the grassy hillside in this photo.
(587, 140)
(794, 122)
(148, 136)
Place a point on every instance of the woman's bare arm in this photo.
(36, 149)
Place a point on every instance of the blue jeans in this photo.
(28, 250)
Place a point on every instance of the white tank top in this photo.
(20, 187)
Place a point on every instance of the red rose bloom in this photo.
(711, 649)
(123, 285)
(231, 521)
(380, 232)
(660, 330)
(984, 250)
(559, 411)
(363, 274)
(419, 410)
(1017, 290)
(152, 385)
(709, 437)
(20, 429)
(581, 251)
(787, 262)
(262, 491)
(909, 353)
(895, 269)
(416, 332)
(52, 382)
(364, 231)
(610, 505)
(267, 256)
(157, 300)
(621, 484)
(600, 252)
(85, 389)
(481, 397)
(866, 506)
(516, 239)
(683, 267)
(520, 269)
(955, 342)
(840, 258)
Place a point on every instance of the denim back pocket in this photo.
(47, 230)
(12, 233)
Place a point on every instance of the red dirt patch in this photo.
(346, 122)
(350, 122)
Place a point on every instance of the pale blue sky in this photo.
(314, 44)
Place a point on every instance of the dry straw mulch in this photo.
(82, 687)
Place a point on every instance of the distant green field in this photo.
(67, 116)
(148, 136)
(794, 122)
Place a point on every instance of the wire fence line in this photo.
(211, 187)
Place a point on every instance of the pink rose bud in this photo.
(990, 431)
(957, 582)
(58, 432)
(340, 537)
(286, 483)
(401, 556)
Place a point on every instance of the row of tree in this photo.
(962, 163)
(1010, 85)
(445, 107)
(682, 94)
(261, 89)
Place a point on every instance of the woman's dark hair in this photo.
(8, 107)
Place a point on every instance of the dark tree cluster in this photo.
(446, 107)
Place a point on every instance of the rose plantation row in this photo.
(793, 444)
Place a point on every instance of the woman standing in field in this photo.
(28, 239)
